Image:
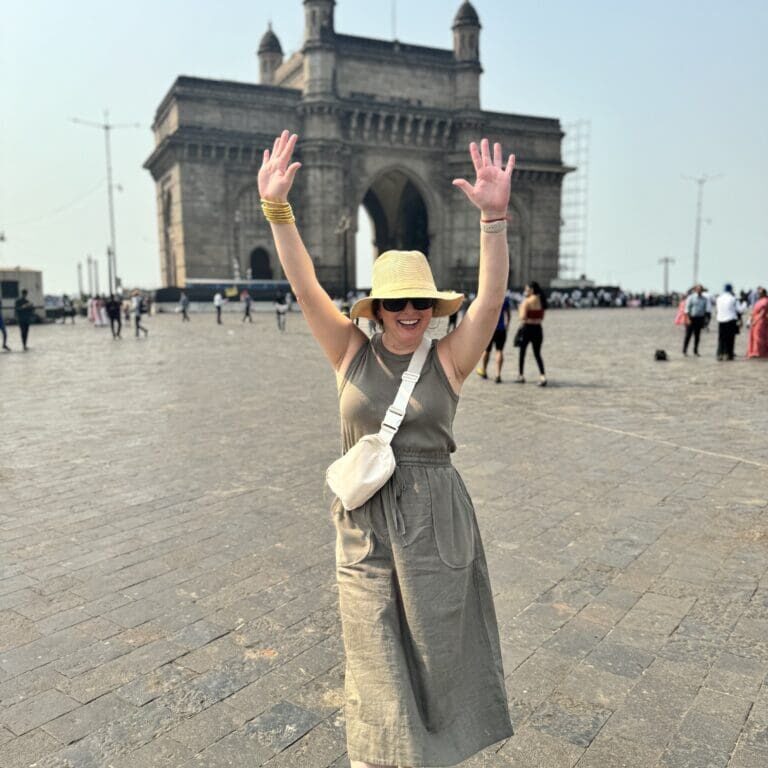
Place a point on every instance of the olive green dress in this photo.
(424, 681)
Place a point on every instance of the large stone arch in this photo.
(405, 211)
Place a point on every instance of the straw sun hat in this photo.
(405, 275)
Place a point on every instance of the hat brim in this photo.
(447, 302)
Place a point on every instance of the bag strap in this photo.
(396, 412)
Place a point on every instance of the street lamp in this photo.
(701, 181)
(106, 126)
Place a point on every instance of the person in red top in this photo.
(531, 315)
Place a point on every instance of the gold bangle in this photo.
(277, 213)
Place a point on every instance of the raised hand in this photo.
(277, 171)
(490, 192)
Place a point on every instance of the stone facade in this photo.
(381, 124)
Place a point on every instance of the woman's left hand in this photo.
(491, 190)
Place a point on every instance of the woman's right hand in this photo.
(277, 172)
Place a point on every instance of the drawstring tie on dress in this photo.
(396, 487)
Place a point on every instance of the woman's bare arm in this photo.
(523, 310)
(490, 193)
(337, 335)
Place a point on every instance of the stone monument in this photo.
(382, 124)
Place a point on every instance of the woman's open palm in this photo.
(491, 190)
(277, 171)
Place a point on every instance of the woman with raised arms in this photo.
(424, 683)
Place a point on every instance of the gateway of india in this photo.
(381, 124)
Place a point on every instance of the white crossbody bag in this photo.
(370, 462)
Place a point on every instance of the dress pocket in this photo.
(353, 534)
(453, 517)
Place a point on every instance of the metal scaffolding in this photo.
(575, 200)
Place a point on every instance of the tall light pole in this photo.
(90, 275)
(666, 261)
(701, 181)
(80, 278)
(106, 126)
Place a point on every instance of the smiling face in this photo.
(404, 329)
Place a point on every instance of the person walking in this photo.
(531, 313)
(6, 348)
(281, 309)
(184, 307)
(695, 318)
(137, 305)
(727, 323)
(67, 309)
(25, 315)
(499, 339)
(218, 303)
(757, 346)
(247, 300)
(112, 306)
(424, 675)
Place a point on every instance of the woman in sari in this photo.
(757, 346)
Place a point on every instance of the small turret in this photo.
(466, 52)
(319, 51)
(318, 21)
(270, 56)
(466, 34)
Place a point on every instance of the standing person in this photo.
(6, 348)
(245, 297)
(453, 320)
(137, 304)
(112, 307)
(184, 307)
(727, 323)
(68, 309)
(499, 339)
(218, 302)
(708, 315)
(695, 317)
(424, 676)
(531, 313)
(103, 316)
(680, 316)
(281, 308)
(757, 346)
(25, 314)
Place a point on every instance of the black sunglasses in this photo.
(398, 305)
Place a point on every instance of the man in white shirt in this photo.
(218, 301)
(727, 323)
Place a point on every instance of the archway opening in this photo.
(365, 249)
(393, 215)
(260, 266)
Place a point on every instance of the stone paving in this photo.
(167, 593)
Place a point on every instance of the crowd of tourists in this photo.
(748, 310)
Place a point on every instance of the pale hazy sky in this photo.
(671, 88)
